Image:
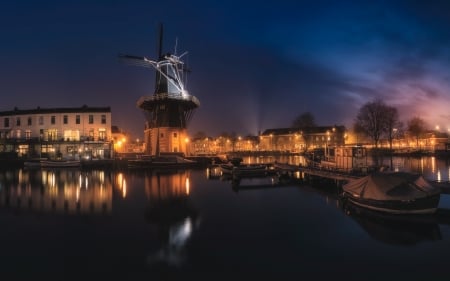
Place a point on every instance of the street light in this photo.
(271, 142)
(327, 150)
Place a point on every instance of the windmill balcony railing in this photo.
(163, 96)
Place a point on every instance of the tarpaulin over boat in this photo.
(391, 186)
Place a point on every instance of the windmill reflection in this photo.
(65, 191)
(170, 210)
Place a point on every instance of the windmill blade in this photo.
(137, 61)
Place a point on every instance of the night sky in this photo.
(255, 64)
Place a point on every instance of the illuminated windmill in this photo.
(170, 108)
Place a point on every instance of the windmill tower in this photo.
(170, 108)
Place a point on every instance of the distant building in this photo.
(296, 140)
(57, 132)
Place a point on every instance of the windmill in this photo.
(170, 108)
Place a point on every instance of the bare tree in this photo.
(375, 119)
(391, 123)
(305, 119)
(200, 135)
(416, 127)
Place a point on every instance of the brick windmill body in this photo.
(170, 108)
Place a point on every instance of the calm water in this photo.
(187, 225)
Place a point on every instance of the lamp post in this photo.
(186, 140)
(271, 142)
(327, 151)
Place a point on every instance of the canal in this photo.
(189, 225)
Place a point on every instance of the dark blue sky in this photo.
(255, 64)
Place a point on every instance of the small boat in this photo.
(226, 168)
(394, 193)
(60, 163)
(33, 163)
(169, 161)
(250, 170)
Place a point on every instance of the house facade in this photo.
(57, 132)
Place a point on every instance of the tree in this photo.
(375, 119)
(391, 123)
(305, 119)
(416, 127)
(200, 135)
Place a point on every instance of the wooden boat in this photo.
(33, 163)
(60, 163)
(250, 170)
(226, 168)
(395, 193)
(169, 161)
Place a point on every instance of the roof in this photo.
(39, 110)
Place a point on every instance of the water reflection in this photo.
(395, 229)
(406, 230)
(64, 191)
(170, 210)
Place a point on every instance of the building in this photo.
(295, 140)
(170, 108)
(57, 132)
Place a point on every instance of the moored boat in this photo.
(169, 161)
(60, 163)
(395, 193)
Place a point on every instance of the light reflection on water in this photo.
(192, 225)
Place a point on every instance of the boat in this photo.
(395, 228)
(33, 163)
(394, 193)
(250, 170)
(167, 161)
(226, 168)
(60, 163)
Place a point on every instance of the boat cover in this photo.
(391, 186)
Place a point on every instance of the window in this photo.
(29, 122)
(77, 119)
(18, 121)
(6, 122)
(102, 134)
(161, 135)
(91, 134)
(175, 135)
(28, 134)
(53, 134)
(91, 119)
(18, 134)
(65, 119)
(103, 119)
(53, 120)
(41, 120)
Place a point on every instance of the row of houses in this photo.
(282, 140)
(298, 140)
(57, 132)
